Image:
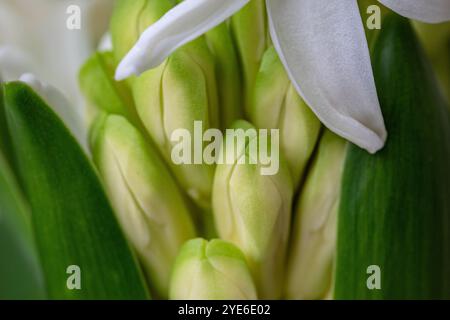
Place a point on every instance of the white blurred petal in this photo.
(185, 22)
(58, 102)
(13, 63)
(39, 28)
(431, 11)
(323, 47)
(105, 43)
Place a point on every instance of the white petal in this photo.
(185, 22)
(324, 49)
(13, 63)
(59, 103)
(431, 11)
(105, 43)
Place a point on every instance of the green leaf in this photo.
(72, 218)
(20, 272)
(395, 205)
(5, 141)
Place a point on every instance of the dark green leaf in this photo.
(72, 218)
(395, 205)
(20, 271)
(5, 141)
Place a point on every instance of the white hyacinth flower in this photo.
(321, 43)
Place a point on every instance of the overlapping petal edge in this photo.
(322, 46)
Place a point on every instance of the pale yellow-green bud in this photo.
(102, 93)
(146, 199)
(253, 211)
(215, 270)
(250, 30)
(228, 74)
(313, 240)
(130, 19)
(276, 104)
(173, 96)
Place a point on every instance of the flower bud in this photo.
(276, 104)
(313, 240)
(174, 96)
(253, 210)
(147, 201)
(214, 270)
(250, 30)
(228, 74)
(102, 92)
(130, 19)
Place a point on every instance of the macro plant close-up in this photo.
(224, 149)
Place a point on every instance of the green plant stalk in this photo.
(215, 270)
(70, 211)
(395, 205)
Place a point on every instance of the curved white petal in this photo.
(185, 22)
(431, 11)
(59, 103)
(324, 49)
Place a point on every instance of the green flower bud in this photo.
(253, 211)
(147, 201)
(130, 19)
(313, 241)
(102, 92)
(221, 44)
(214, 270)
(228, 74)
(276, 104)
(173, 96)
(250, 28)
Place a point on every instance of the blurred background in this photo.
(34, 38)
